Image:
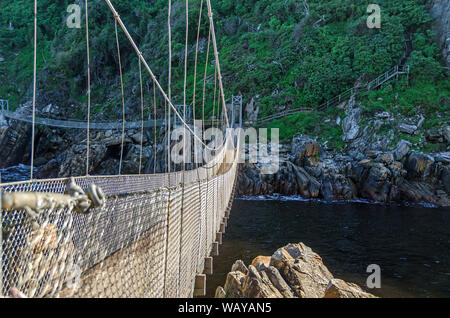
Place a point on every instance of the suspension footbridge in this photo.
(140, 235)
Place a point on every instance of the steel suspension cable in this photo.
(89, 90)
(154, 132)
(123, 98)
(216, 54)
(34, 90)
(184, 86)
(142, 115)
(204, 81)
(169, 102)
(169, 28)
(196, 58)
(214, 99)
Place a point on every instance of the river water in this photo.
(411, 243)
(16, 173)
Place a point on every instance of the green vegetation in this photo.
(269, 49)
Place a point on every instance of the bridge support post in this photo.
(215, 249)
(208, 266)
(219, 238)
(200, 285)
(222, 227)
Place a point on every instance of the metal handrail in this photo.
(396, 70)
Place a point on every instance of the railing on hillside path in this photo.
(377, 82)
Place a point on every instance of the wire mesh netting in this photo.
(149, 240)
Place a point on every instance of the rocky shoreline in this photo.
(293, 271)
(306, 169)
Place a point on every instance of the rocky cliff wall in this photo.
(440, 11)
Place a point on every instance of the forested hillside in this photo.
(284, 54)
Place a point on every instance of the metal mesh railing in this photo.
(149, 240)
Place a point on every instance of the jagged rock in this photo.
(295, 271)
(278, 282)
(337, 187)
(72, 162)
(447, 133)
(419, 165)
(386, 158)
(377, 185)
(402, 149)
(373, 154)
(416, 191)
(302, 269)
(233, 284)
(258, 285)
(304, 147)
(15, 144)
(220, 292)
(397, 170)
(445, 178)
(308, 186)
(239, 266)
(407, 128)
(261, 262)
(375, 175)
(337, 288)
(443, 157)
(350, 124)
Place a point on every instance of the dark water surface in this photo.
(410, 243)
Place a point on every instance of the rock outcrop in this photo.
(293, 271)
(311, 172)
(440, 11)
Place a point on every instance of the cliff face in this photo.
(440, 11)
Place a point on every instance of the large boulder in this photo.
(295, 271)
(308, 186)
(304, 147)
(302, 269)
(402, 149)
(377, 185)
(234, 283)
(407, 128)
(337, 187)
(15, 145)
(419, 165)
